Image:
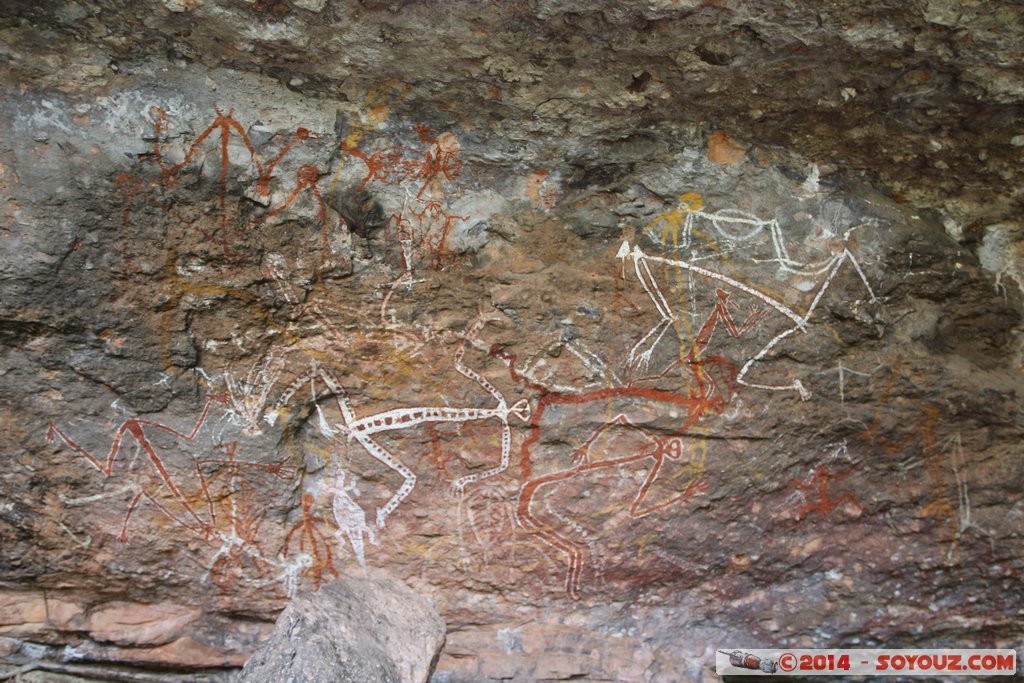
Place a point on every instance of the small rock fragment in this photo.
(722, 149)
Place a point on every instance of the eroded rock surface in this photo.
(626, 334)
(359, 630)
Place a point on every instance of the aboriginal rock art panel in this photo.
(193, 251)
(137, 429)
(208, 254)
(230, 226)
(600, 462)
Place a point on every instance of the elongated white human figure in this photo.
(363, 430)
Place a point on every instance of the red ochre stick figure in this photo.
(319, 543)
(136, 428)
(437, 455)
(658, 448)
(819, 483)
(226, 124)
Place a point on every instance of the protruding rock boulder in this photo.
(373, 630)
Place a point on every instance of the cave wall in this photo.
(618, 375)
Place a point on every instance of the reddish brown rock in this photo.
(128, 623)
(22, 613)
(66, 615)
(184, 653)
(722, 149)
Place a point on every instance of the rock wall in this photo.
(615, 380)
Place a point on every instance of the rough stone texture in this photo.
(733, 289)
(358, 630)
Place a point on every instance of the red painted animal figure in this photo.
(655, 449)
(697, 404)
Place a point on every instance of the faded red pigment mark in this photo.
(131, 188)
(431, 219)
(436, 454)
(281, 470)
(404, 231)
(819, 484)
(306, 178)
(136, 428)
(619, 284)
(310, 536)
(659, 448)
(241, 556)
(399, 164)
(922, 435)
